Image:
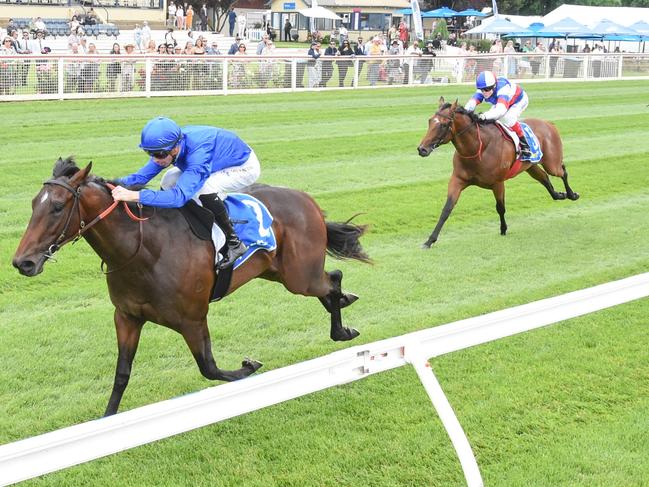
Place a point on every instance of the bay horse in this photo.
(159, 271)
(485, 158)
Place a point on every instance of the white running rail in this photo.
(81, 443)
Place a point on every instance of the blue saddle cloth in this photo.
(533, 142)
(252, 222)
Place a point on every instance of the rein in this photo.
(83, 227)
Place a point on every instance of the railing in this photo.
(66, 76)
(87, 441)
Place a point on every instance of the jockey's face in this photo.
(168, 159)
(486, 92)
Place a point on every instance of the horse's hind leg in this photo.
(128, 331)
(499, 194)
(333, 302)
(569, 192)
(197, 338)
(542, 177)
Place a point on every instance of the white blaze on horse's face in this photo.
(44, 197)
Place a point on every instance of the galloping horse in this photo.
(159, 271)
(483, 157)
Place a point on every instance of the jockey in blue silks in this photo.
(508, 100)
(208, 163)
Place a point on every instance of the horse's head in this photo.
(440, 128)
(56, 217)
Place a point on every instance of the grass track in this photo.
(564, 405)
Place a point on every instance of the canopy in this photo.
(498, 25)
(319, 13)
(606, 27)
(567, 27)
(404, 11)
(641, 27)
(443, 12)
(471, 12)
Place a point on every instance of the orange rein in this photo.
(479, 153)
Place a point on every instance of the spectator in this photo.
(394, 65)
(180, 17)
(343, 34)
(89, 72)
(72, 71)
(232, 19)
(11, 26)
(137, 37)
(234, 48)
(189, 17)
(287, 30)
(39, 25)
(437, 42)
(314, 65)
(239, 68)
(403, 32)
(171, 14)
(151, 48)
(345, 50)
(114, 68)
(213, 50)
(427, 64)
(74, 24)
(169, 37)
(327, 65)
(360, 50)
(128, 69)
(375, 49)
(511, 64)
(271, 32)
(241, 23)
(262, 44)
(496, 47)
(146, 35)
(202, 15)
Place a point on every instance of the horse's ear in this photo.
(454, 105)
(441, 101)
(82, 174)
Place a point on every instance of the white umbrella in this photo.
(318, 12)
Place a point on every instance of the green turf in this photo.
(563, 405)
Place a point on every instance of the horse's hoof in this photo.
(426, 246)
(251, 364)
(573, 196)
(560, 196)
(346, 335)
(347, 299)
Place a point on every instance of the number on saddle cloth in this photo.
(533, 143)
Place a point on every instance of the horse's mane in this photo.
(472, 115)
(68, 167)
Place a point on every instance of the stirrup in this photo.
(234, 252)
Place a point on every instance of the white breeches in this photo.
(512, 115)
(221, 182)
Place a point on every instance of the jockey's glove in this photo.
(481, 116)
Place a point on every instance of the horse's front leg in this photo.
(499, 194)
(197, 337)
(333, 302)
(128, 336)
(455, 187)
(572, 195)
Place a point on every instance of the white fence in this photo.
(65, 76)
(84, 442)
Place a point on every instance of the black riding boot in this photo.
(235, 247)
(526, 153)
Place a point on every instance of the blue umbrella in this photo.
(443, 12)
(567, 28)
(641, 27)
(404, 11)
(471, 12)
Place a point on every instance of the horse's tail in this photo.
(343, 241)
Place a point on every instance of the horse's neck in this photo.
(467, 138)
(114, 236)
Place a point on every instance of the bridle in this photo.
(448, 127)
(61, 240)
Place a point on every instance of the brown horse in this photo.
(159, 271)
(484, 158)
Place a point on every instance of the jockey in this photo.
(209, 162)
(509, 102)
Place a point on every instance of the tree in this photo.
(220, 9)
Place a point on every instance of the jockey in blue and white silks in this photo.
(209, 162)
(508, 100)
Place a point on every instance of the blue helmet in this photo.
(160, 134)
(486, 79)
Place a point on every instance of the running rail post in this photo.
(414, 356)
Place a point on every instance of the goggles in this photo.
(158, 154)
(488, 88)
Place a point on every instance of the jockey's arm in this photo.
(495, 112)
(473, 102)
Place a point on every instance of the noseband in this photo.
(83, 227)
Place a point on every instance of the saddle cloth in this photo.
(252, 222)
(532, 141)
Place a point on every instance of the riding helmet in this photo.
(486, 79)
(160, 133)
